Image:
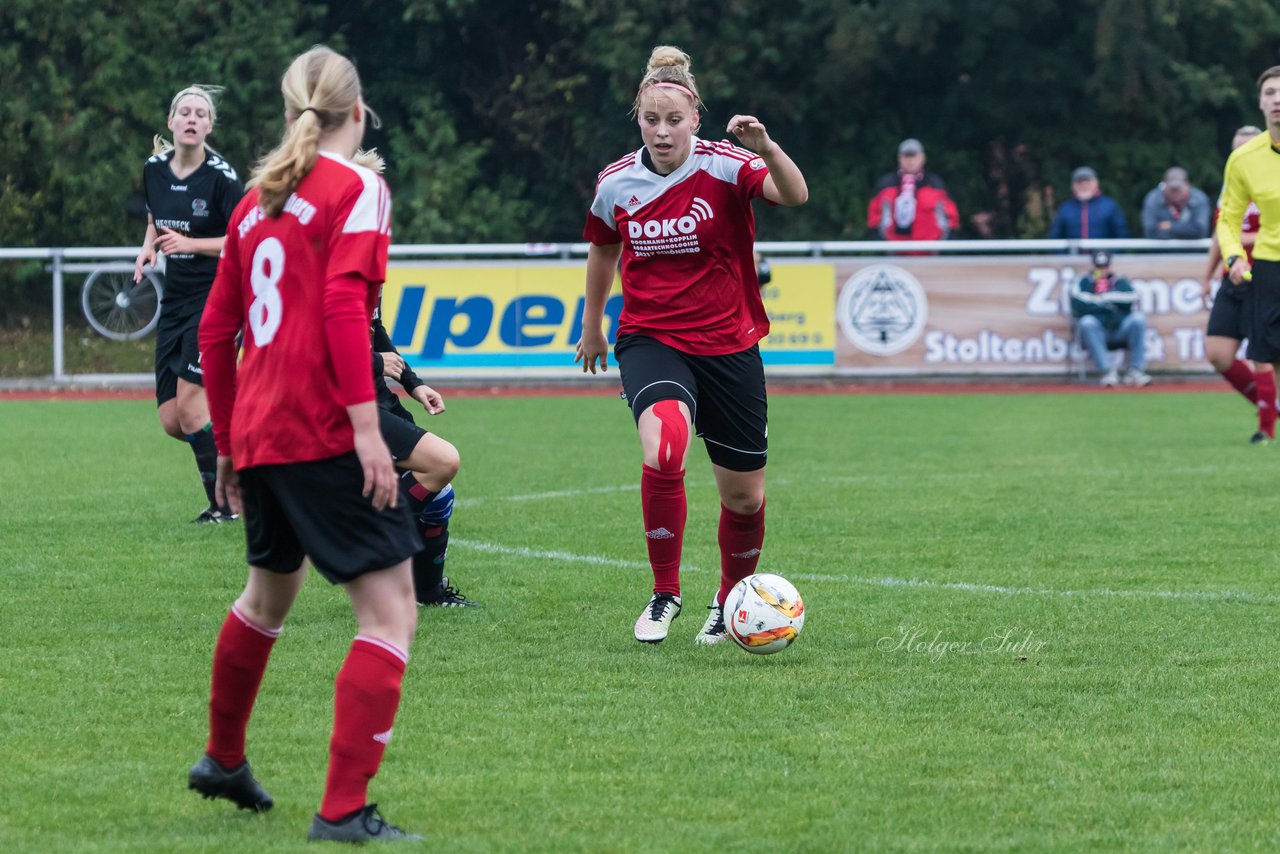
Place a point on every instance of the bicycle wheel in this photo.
(119, 308)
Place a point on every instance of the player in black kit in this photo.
(429, 464)
(191, 192)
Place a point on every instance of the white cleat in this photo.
(656, 618)
(713, 630)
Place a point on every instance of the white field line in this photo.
(885, 477)
(559, 493)
(919, 583)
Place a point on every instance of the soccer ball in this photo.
(763, 613)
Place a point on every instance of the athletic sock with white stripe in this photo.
(239, 660)
(366, 696)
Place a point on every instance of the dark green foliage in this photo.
(499, 114)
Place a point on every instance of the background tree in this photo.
(499, 114)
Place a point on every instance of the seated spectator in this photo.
(1088, 213)
(1175, 210)
(1103, 305)
(912, 204)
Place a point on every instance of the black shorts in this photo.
(725, 394)
(1227, 318)
(315, 509)
(1262, 309)
(400, 432)
(177, 355)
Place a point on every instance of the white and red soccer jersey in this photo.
(688, 264)
(302, 286)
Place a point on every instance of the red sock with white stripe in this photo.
(1244, 380)
(663, 504)
(1266, 400)
(239, 660)
(741, 536)
(366, 696)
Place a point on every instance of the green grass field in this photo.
(1034, 623)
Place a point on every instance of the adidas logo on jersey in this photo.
(699, 211)
(632, 202)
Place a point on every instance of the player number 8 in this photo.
(264, 311)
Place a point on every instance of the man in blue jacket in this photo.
(1104, 306)
(1088, 213)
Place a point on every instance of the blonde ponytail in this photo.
(370, 159)
(320, 89)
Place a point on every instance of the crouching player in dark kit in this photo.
(430, 464)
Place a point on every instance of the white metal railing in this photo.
(93, 257)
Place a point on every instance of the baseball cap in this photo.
(1176, 176)
(1084, 173)
(1101, 258)
(911, 146)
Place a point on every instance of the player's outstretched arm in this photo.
(432, 401)
(785, 184)
(381, 483)
(226, 490)
(593, 346)
(146, 255)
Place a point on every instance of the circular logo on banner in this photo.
(882, 309)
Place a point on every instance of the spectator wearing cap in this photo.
(1104, 307)
(911, 203)
(1175, 210)
(1088, 213)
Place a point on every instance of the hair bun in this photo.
(668, 56)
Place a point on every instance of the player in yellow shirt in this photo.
(1253, 173)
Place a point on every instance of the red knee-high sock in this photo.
(366, 696)
(1266, 394)
(741, 537)
(663, 504)
(239, 660)
(1244, 380)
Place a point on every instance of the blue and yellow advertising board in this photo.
(499, 317)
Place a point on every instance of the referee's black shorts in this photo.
(1263, 312)
(725, 395)
(315, 509)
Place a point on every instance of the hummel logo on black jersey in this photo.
(632, 202)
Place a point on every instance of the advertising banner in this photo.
(989, 315)
(931, 315)
(494, 317)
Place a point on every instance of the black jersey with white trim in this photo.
(199, 206)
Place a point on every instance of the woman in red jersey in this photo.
(678, 214)
(300, 454)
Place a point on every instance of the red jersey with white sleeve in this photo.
(1250, 225)
(302, 286)
(688, 264)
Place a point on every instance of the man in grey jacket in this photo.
(1175, 210)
